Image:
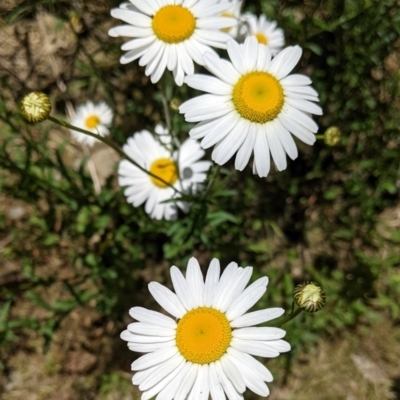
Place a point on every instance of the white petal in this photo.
(276, 148)
(298, 130)
(247, 299)
(169, 390)
(167, 299)
(256, 348)
(131, 337)
(225, 280)
(232, 373)
(143, 315)
(161, 372)
(299, 117)
(226, 384)
(257, 317)
(259, 333)
(208, 84)
(187, 381)
(279, 345)
(304, 105)
(201, 388)
(155, 358)
(245, 151)
(182, 289)
(250, 53)
(225, 149)
(149, 7)
(251, 379)
(144, 328)
(261, 152)
(212, 279)
(236, 288)
(169, 381)
(285, 61)
(195, 281)
(156, 75)
(131, 17)
(264, 58)
(236, 56)
(149, 347)
(296, 80)
(256, 366)
(286, 139)
(222, 299)
(222, 69)
(216, 390)
(218, 130)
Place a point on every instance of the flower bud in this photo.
(309, 296)
(175, 103)
(332, 136)
(35, 107)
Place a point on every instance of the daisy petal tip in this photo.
(112, 33)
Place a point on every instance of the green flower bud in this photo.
(309, 296)
(175, 103)
(332, 136)
(35, 107)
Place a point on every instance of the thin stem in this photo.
(164, 101)
(320, 137)
(115, 147)
(290, 317)
(211, 181)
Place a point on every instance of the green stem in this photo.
(290, 317)
(320, 136)
(115, 147)
(164, 100)
(211, 181)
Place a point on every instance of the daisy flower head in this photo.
(95, 118)
(170, 34)
(207, 347)
(253, 105)
(181, 169)
(265, 32)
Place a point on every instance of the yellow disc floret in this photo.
(258, 97)
(92, 122)
(203, 335)
(262, 39)
(173, 24)
(166, 169)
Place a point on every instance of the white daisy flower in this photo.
(206, 349)
(95, 118)
(182, 169)
(170, 34)
(265, 32)
(253, 105)
(235, 7)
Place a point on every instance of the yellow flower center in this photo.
(203, 335)
(92, 121)
(173, 24)
(166, 169)
(258, 97)
(262, 39)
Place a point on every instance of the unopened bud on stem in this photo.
(35, 107)
(332, 136)
(309, 296)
